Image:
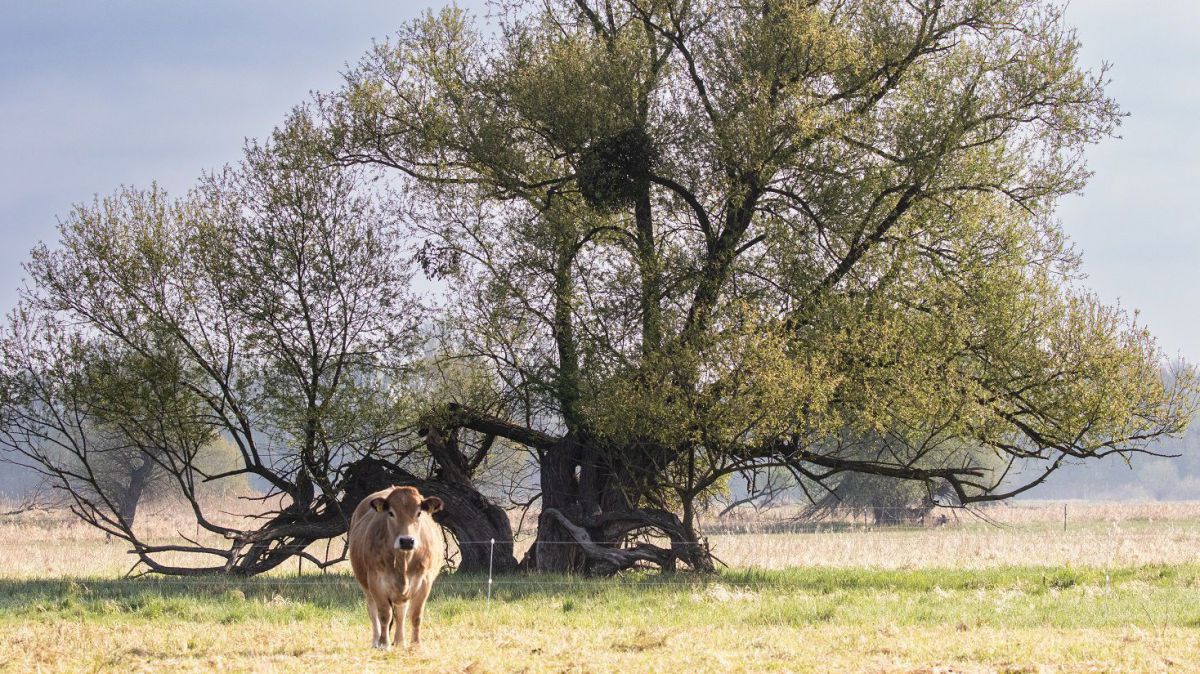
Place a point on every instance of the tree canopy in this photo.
(697, 237)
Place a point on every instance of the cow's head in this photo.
(404, 508)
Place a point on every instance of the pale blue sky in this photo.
(96, 94)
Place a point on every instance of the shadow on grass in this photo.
(332, 592)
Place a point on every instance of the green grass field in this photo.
(1007, 619)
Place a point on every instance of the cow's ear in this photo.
(431, 504)
(378, 505)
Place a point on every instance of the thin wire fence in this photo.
(795, 551)
(1084, 535)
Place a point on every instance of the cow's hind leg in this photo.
(417, 610)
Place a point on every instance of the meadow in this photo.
(1119, 590)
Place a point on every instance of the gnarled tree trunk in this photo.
(588, 520)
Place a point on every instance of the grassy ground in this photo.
(1011, 619)
(1119, 591)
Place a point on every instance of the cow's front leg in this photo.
(384, 611)
(401, 612)
(373, 614)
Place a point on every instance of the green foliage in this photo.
(614, 171)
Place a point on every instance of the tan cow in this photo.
(396, 553)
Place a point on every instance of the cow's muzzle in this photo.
(405, 543)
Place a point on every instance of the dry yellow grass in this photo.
(482, 646)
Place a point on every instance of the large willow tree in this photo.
(673, 241)
(697, 237)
